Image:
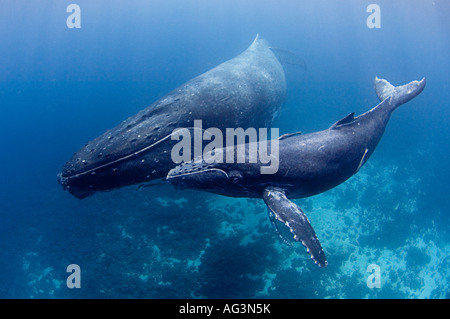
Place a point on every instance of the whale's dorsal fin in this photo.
(258, 43)
(348, 119)
(255, 40)
(293, 217)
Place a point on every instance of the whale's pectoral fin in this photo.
(288, 57)
(292, 216)
(273, 221)
(282, 137)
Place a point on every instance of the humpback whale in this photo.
(245, 91)
(308, 164)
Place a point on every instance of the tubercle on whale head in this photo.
(78, 192)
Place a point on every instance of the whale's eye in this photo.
(235, 176)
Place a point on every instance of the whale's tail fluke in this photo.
(398, 94)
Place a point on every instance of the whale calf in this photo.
(245, 91)
(308, 164)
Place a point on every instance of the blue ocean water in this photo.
(60, 87)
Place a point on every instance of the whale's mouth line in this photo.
(126, 157)
(170, 175)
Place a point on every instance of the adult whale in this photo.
(308, 164)
(245, 91)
